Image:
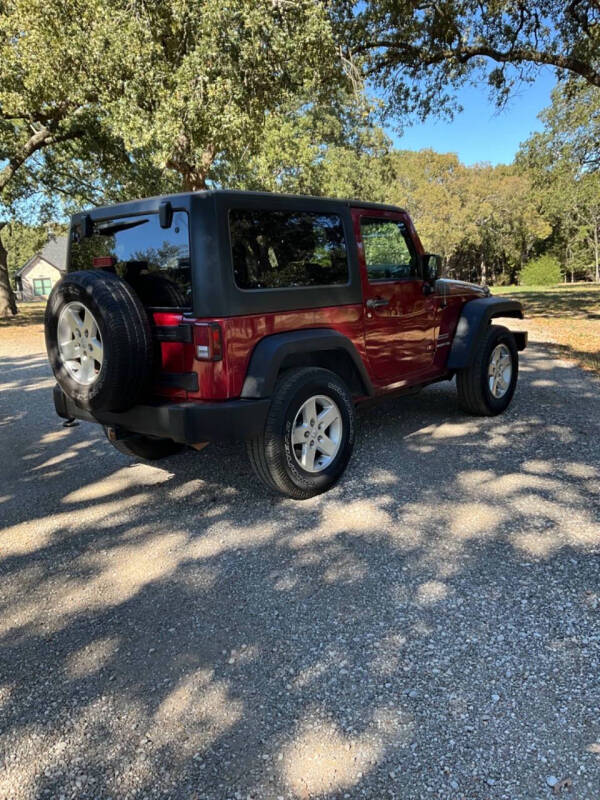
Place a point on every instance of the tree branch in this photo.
(40, 139)
(415, 56)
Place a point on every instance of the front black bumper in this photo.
(188, 423)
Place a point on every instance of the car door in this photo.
(400, 311)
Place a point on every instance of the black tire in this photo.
(157, 290)
(127, 361)
(474, 394)
(145, 447)
(271, 454)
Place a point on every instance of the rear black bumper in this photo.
(188, 423)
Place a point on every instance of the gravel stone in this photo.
(430, 628)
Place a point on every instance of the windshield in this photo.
(154, 260)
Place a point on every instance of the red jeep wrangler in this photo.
(267, 318)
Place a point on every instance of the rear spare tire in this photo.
(99, 340)
(157, 290)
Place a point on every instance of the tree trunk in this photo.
(193, 174)
(194, 181)
(8, 302)
(483, 269)
(596, 250)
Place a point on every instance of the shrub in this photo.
(542, 271)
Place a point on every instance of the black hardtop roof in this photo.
(146, 204)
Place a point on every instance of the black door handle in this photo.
(377, 302)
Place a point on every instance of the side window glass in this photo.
(389, 254)
(287, 249)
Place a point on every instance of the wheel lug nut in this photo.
(306, 435)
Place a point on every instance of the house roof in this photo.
(28, 263)
(54, 252)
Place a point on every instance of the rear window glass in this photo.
(287, 249)
(154, 260)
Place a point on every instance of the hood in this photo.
(447, 286)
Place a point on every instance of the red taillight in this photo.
(208, 343)
(103, 262)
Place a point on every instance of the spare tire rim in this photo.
(500, 371)
(80, 343)
(316, 433)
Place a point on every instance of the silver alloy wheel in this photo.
(316, 433)
(80, 343)
(500, 371)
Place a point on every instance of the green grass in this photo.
(580, 300)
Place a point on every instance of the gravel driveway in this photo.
(428, 629)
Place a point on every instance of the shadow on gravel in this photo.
(174, 631)
(31, 315)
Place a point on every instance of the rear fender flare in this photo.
(473, 322)
(270, 353)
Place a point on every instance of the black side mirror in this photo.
(432, 267)
(165, 214)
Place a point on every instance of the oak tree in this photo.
(419, 52)
(185, 88)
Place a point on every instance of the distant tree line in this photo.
(136, 98)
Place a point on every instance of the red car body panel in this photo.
(401, 344)
(223, 380)
(400, 336)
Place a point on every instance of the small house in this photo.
(36, 278)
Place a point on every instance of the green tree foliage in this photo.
(132, 97)
(363, 171)
(483, 220)
(420, 53)
(542, 271)
(431, 186)
(303, 148)
(22, 242)
(563, 161)
(61, 68)
(502, 223)
(571, 135)
(101, 98)
(210, 75)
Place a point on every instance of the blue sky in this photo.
(481, 132)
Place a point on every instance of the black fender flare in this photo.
(472, 323)
(269, 354)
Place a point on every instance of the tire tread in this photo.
(469, 381)
(130, 362)
(264, 450)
